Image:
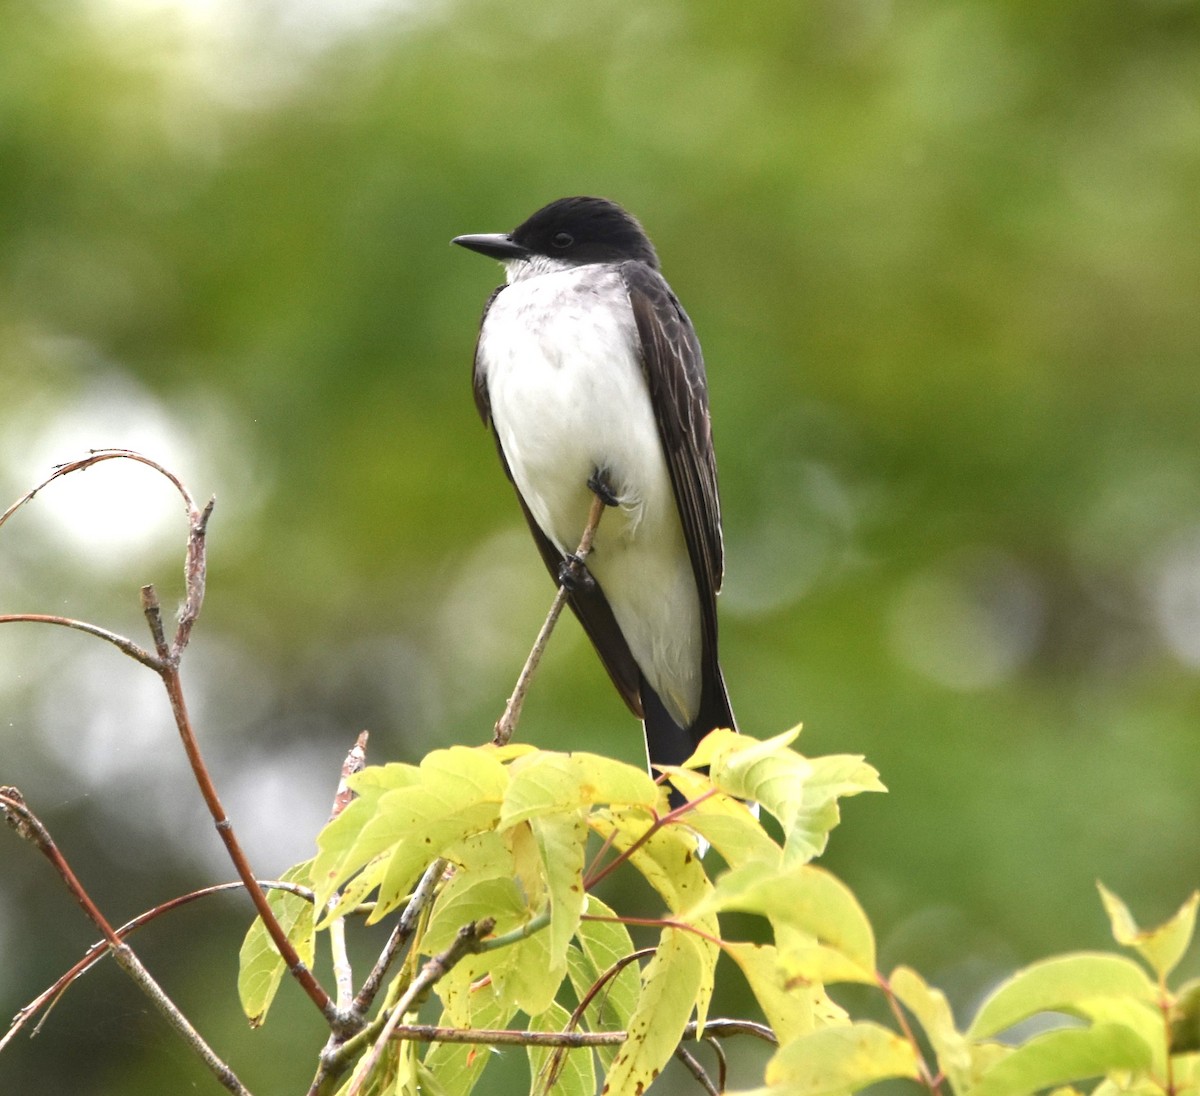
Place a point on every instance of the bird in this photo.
(589, 373)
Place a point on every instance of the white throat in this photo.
(517, 270)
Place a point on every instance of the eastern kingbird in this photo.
(590, 376)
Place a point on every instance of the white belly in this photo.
(559, 418)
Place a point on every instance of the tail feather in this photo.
(667, 743)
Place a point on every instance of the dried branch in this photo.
(126, 646)
(696, 1070)
(507, 723)
(421, 898)
(343, 975)
(166, 665)
(29, 827)
(49, 996)
(379, 1033)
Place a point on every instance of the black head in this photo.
(571, 231)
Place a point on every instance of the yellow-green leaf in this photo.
(1062, 1056)
(454, 792)
(562, 842)
(670, 984)
(815, 812)
(789, 1010)
(1056, 984)
(544, 783)
(601, 944)
(727, 824)
(840, 1060)
(457, 1066)
(573, 1071)
(1162, 947)
(669, 860)
(932, 1011)
(804, 898)
(260, 966)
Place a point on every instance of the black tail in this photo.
(667, 742)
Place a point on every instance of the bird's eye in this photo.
(563, 239)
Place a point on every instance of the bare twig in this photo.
(298, 968)
(557, 1062)
(507, 723)
(95, 456)
(127, 646)
(30, 827)
(696, 1070)
(356, 761)
(466, 941)
(343, 975)
(430, 1033)
(722, 1061)
(405, 927)
(98, 951)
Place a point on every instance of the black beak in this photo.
(495, 245)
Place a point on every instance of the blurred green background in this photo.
(945, 264)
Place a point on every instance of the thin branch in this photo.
(95, 456)
(928, 1078)
(30, 828)
(194, 574)
(49, 996)
(422, 896)
(572, 1040)
(556, 1064)
(722, 1061)
(507, 723)
(597, 873)
(696, 1070)
(287, 950)
(343, 975)
(435, 969)
(126, 646)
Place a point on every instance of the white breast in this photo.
(568, 397)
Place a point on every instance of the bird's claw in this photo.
(600, 487)
(573, 574)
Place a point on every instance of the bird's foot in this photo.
(573, 574)
(600, 486)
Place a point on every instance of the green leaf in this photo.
(1162, 947)
(456, 792)
(840, 1060)
(815, 811)
(562, 842)
(727, 824)
(574, 1071)
(669, 860)
(1143, 1019)
(1185, 1018)
(469, 898)
(260, 966)
(801, 793)
(791, 1011)
(718, 746)
(932, 1011)
(1057, 984)
(671, 982)
(546, 783)
(833, 932)
(1062, 1056)
(522, 971)
(601, 944)
(458, 1066)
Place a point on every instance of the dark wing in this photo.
(589, 605)
(674, 368)
(478, 379)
